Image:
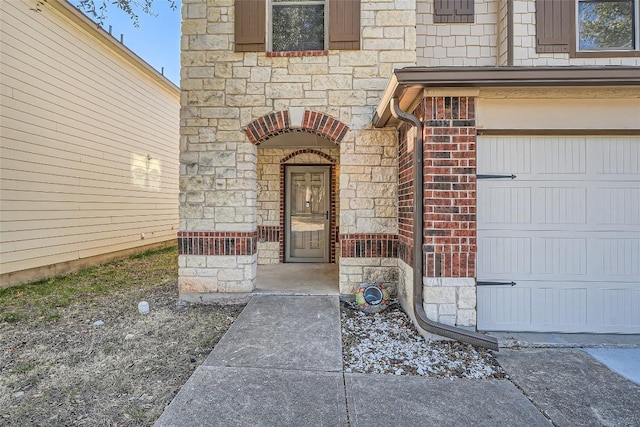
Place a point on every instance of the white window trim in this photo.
(636, 35)
(269, 5)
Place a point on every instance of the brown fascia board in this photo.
(406, 83)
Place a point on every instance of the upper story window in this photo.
(296, 25)
(607, 25)
(453, 11)
(588, 28)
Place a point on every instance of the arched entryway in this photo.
(297, 197)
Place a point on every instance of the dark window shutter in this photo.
(453, 11)
(344, 24)
(553, 25)
(250, 24)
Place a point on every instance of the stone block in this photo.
(230, 274)
(380, 274)
(466, 318)
(370, 84)
(220, 28)
(195, 11)
(447, 309)
(432, 311)
(236, 86)
(377, 189)
(221, 261)
(376, 225)
(309, 69)
(447, 320)
(283, 90)
(209, 42)
(197, 284)
(195, 58)
(467, 298)
(398, 18)
(245, 100)
(260, 75)
(357, 58)
(331, 82)
(439, 295)
(347, 97)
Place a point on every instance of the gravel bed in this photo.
(388, 343)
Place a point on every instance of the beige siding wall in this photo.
(559, 109)
(89, 154)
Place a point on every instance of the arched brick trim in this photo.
(277, 123)
(308, 151)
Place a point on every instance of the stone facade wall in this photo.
(458, 44)
(524, 43)
(224, 91)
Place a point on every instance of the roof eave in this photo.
(406, 83)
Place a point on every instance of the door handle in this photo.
(326, 214)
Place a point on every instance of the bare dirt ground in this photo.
(62, 368)
(75, 351)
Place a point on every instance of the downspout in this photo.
(424, 322)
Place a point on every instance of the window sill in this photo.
(298, 53)
(606, 54)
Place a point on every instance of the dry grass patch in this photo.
(57, 367)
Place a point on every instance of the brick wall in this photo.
(450, 186)
(449, 208)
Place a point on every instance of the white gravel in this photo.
(387, 343)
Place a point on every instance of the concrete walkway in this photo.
(280, 364)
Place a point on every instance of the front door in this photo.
(307, 209)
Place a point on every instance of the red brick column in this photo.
(449, 187)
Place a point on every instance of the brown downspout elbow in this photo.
(418, 229)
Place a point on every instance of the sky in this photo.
(156, 40)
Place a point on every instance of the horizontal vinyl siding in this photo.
(74, 115)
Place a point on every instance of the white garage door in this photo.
(565, 230)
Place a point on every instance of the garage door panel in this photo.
(562, 307)
(559, 156)
(616, 307)
(501, 156)
(504, 255)
(507, 205)
(508, 307)
(566, 231)
(619, 156)
(616, 206)
(560, 257)
(619, 258)
(562, 205)
(559, 307)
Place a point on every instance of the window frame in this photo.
(269, 19)
(575, 52)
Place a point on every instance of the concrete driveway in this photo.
(572, 388)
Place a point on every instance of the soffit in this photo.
(408, 83)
